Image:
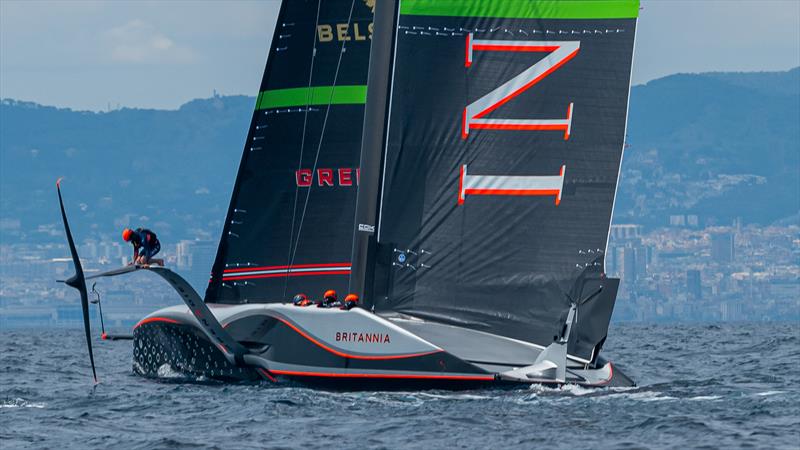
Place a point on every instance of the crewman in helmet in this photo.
(350, 302)
(329, 300)
(302, 300)
(145, 246)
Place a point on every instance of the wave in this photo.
(21, 403)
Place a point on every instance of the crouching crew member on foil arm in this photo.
(145, 246)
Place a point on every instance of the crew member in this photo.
(302, 300)
(329, 300)
(350, 302)
(145, 246)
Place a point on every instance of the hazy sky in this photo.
(89, 54)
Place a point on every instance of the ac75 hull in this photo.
(336, 348)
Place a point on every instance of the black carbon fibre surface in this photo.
(504, 264)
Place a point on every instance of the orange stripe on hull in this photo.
(155, 319)
(385, 376)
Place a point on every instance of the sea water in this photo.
(712, 386)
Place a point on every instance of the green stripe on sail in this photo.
(524, 9)
(317, 95)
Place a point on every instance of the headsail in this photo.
(504, 145)
(288, 224)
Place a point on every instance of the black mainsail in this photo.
(288, 227)
(503, 150)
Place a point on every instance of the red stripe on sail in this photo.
(542, 192)
(289, 274)
(294, 266)
(515, 48)
(509, 126)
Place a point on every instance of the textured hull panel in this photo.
(169, 350)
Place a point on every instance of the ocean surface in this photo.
(708, 386)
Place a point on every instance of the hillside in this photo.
(130, 164)
(719, 145)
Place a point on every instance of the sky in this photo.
(93, 55)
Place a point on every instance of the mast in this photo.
(372, 145)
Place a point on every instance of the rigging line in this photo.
(289, 256)
(322, 134)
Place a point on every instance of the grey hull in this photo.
(336, 348)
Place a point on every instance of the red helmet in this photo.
(126, 234)
(330, 294)
(350, 302)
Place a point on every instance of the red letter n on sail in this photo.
(475, 112)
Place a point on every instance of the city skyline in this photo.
(682, 273)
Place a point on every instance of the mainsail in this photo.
(505, 136)
(288, 227)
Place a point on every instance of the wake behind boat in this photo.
(453, 165)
